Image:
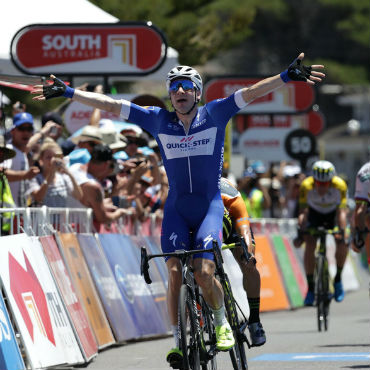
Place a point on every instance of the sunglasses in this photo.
(132, 141)
(91, 143)
(185, 84)
(25, 128)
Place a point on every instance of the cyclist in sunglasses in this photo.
(191, 141)
(322, 202)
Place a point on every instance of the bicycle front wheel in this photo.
(208, 338)
(322, 293)
(237, 353)
(189, 342)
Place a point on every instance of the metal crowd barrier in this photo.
(42, 220)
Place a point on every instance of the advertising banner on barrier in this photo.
(273, 296)
(67, 290)
(35, 302)
(296, 266)
(79, 272)
(158, 287)
(110, 295)
(122, 257)
(236, 279)
(10, 356)
(153, 243)
(291, 285)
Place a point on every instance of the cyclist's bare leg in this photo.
(204, 273)
(213, 294)
(251, 276)
(341, 253)
(174, 284)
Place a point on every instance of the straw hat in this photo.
(112, 138)
(88, 133)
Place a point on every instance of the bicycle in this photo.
(199, 346)
(323, 293)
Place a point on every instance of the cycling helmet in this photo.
(184, 72)
(227, 225)
(323, 171)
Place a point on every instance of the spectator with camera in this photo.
(18, 169)
(52, 186)
(100, 166)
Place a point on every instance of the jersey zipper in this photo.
(189, 167)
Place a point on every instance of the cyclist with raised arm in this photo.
(322, 202)
(235, 224)
(191, 142)
(361, 217)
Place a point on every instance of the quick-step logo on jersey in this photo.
(201, 143)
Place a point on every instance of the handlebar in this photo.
(181, 253)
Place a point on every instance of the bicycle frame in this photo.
(237, 353)
(322, 277)
(194, 354)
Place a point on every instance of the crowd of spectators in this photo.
(114, 170)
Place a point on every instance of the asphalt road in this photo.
(293, 341)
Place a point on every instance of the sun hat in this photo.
(88, 133)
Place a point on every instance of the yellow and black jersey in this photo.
(334, 198)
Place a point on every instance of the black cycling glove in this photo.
(359, 237)
(57, 89)
(296, 72)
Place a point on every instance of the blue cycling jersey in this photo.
(193, 163)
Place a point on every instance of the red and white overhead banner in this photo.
(266, 144)
(89, 49)
(36, 304)
(291, 98)
(311, 121)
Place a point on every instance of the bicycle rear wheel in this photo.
(189, 343)
(237, 353)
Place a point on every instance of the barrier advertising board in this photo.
(273, 296)
(36, 304)
(67, 290)
(291, 285)
(10, 356)
(236, 279)
(158, 287)
(153, 244)
(123, 261)
(296, 266)
(106, 285)
(79, 272)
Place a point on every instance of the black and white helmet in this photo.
(323, 171)
(184, 72)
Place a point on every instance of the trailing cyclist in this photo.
(361, 217)
(236, 224)
(322, 202)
